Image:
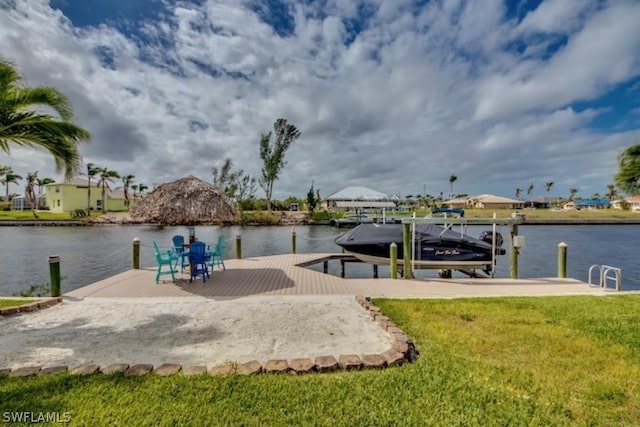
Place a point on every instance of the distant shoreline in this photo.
(76, 223)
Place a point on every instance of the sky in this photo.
(393, 95)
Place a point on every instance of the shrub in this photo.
(260, 218)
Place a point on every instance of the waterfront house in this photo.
(592, 203)
(485, 201)
(71, 195)
(357, 198)
(632, 202)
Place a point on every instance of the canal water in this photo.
(90, 254)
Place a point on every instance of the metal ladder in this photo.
(607, 274)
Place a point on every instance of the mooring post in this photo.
(54, 275)
(562, 260)
(136, 253)
(342, 269)
(238, 246)
(293, 241)
(375, 271)
(406, 251)
(393, 256)
(513, 253)
(325, 267)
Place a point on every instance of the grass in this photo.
(499, 361)
(27, 215)
(5, 303)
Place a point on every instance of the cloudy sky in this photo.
(395, 95)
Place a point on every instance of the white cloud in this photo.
(410, 100)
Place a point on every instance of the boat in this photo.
(435, 246)
(352, 219)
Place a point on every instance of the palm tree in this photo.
(518, 191)
(127, 180)
(92, 170)
(547, 186)
(9, 178)
(30, 193)
(134, 187)
(106, 176)
(452, 179)
(41, 182)
(22, 124)
(530, 189)
(141, 189)
(572, 193)
(628, 176)
(611, 194)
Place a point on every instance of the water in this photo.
(90, 254)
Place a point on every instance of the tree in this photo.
(9, 178)
(628, 176)
(611, 193)
(452, 179)
(23, 124)
(30, 193)
(518, 191)
(572, 193)
(106, 176)
(41, 182)
(530, 189)
(141, 188)
(126, 181)
(311, 198)
(547, 186)
(272, 154)
(92, 170)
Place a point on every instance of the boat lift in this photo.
(516, 242)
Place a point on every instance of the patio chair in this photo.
(198, 261)
(217, 254)
(164, 259)
(181, 254)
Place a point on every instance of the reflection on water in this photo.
(90, 254)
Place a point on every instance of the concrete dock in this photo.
(286, 275)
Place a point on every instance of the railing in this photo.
(607, 274)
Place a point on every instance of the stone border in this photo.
(402, 351)
(32, 306)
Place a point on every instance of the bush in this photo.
(323, 215)
(260, 218)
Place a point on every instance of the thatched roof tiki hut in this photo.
(187, 201)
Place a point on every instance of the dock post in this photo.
(342, 269)
(54, 275)
(513, 253)
(136, 253)
(393, 256)
(375, 271)
(406, 251)
(293, 241)
(562, 260)
(325, 267)
(238, 247)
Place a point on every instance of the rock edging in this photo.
(29, 307)
(402, 351)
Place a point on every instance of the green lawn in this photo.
(500, 361)
(4, 303)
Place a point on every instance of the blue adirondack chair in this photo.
(164, 259)
(182, 255)
(198, 260)
(216, 255)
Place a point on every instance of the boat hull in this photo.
(434, 247)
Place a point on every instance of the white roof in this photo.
(358, 193)
(490, 198)
(364, 204)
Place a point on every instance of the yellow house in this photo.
(70, 195)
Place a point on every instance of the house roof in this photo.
(358, 193)
(491, 198)
(364, 204)
(79, 182)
